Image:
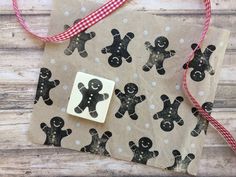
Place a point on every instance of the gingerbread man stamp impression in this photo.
(90, 97)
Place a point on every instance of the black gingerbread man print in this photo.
(158, 55)
(44, 86)
(78, 42)
(169, 114)
(129, 100)
(91, 97)
(98, 145)
(142, 152)
(118, 49)
(181, 165)
(200, 63)
(202, 123)
(55, 134)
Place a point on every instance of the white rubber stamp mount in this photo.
(90, 97)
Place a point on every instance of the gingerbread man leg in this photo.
(121, 112)
(116, 35)
(128, 37)
(105, 137)
(92, 111)
(148, 66)
(178, 159)
(207, 53)
(177, 102)
(81, 49)
(159, 67)
(71, 48)
(80, 108)
(201, 125)
(95, 138)
(47, 100)
(167, 103)
(132, 113)
(187, 160)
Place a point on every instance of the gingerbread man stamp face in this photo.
(90, 97)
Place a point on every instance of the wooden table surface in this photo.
(20, 58)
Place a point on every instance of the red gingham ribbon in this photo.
(79, 27)
(109, 8)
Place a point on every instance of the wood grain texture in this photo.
(20, 58)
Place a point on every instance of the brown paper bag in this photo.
(149, 120)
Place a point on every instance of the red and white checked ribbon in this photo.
(79, 27)
(109, 8)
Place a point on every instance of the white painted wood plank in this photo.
(218, 161)
(44, 6)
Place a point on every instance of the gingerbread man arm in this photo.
(210, 70)
(149, 47)
(54, 83)
(140, 99)
(106, 49)
(65, 133)
(169, 54)
(82, 88)
(90, 35)
(153, 154)
(119, 94)
(45, 128)
(132, 146)
(102, 97)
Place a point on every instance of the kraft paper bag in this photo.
(148, 118)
